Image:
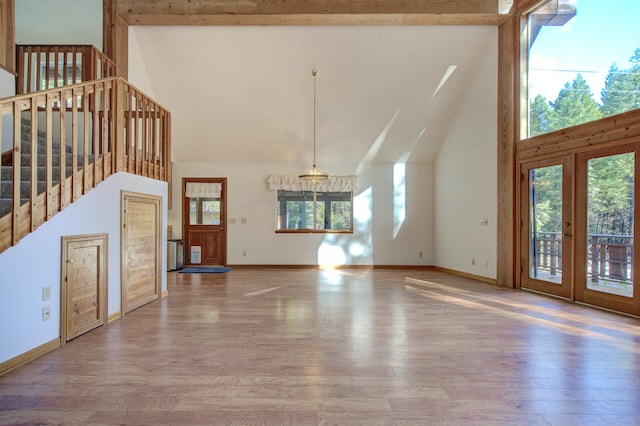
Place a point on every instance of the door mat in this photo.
(205, 270)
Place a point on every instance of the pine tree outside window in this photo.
(583, 61)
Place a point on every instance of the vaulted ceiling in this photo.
(237, 75)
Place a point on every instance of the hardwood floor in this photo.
(342, 347)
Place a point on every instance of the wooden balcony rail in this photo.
(548, 252)
(63, 142)
(42, 67)
(610, 257)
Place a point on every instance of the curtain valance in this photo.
(293, 183)
(203, 190)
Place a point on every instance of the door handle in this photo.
(566, 235)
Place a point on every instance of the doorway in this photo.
(204, 214)
(606, 208)
(577, 227)
(546, 226)
(83, 294)
(141, 255)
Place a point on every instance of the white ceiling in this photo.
(245, 94)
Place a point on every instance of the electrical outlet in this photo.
(46, 293)
(244, 254)
(46, 313)
(419, 254)
(473, 260)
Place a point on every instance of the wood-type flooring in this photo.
(267, 346)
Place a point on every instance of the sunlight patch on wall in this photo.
(375, 147)
(400, 186)
(399, 196)
(356, 248)
(330, 255)
(363, 207)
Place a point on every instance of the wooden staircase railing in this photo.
(63, 142)
(42, 67)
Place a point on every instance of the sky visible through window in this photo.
(602, 33)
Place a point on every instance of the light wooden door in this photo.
(141, 235)
(607, 200)
(84, 284)
(546, 228)
(204, 217)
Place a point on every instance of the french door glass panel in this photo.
(610, 201)
(545, 224)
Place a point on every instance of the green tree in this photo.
(574, 105)
(620, 92)
(610, 187)
(546, 193)
(540, 116)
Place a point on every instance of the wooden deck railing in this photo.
(42, 67)
(63, 142)
(610, 257)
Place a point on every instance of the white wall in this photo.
(7, 84)
(137, 72)
(374, 241)
(466, 178)
(59, 22)
(35, 263)
(7, 89)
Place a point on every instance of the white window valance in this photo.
(203, 190)
(293, 183)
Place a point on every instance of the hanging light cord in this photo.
(314, 73)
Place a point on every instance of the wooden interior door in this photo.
(84, 284)
(546, 227)
(204, 217)
(141, 235)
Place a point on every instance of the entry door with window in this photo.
(606, 206)
(546, 232)
(204, 220)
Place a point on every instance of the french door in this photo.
(546, 232)
(577, 235)
(606, 209)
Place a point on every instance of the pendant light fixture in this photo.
(314, 174)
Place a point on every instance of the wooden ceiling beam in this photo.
(311, 12)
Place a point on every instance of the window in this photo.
(311, 211)
(204, 211)
(583, 63)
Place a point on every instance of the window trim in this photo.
(280, 218)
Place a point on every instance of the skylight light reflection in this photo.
(444, 79)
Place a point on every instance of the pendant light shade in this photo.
(314, 174)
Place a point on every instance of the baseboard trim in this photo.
(29, 356)
(114, 317)
(271, 266)
(485, 280)
(164, 294)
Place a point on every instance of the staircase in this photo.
(119, 128)
(6, 172)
